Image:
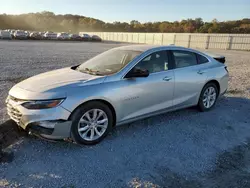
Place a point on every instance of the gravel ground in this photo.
(185, 148)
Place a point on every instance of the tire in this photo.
(78, 115)
(202, 107)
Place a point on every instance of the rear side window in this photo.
(201, 59)
(184, 58)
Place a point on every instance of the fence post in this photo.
(153, 38)
(162, 39)
(174, 39)
(207, 42)
(229, 43)
(189, 40)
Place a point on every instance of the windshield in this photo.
(108, 62)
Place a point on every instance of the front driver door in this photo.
(142, 96)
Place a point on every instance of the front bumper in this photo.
(60, 131)
(29, 119)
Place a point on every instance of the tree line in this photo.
(48, 21)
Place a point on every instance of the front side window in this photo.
(109, 62)
(155, 62)
(184, 58)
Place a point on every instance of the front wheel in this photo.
(208, 97)
(91, 123)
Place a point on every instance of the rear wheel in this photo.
(208, 97)
(91, 123)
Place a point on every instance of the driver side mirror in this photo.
(136, 72)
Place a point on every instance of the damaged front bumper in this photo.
(50, 123)
(61, 130)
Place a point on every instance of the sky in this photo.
(141, 10)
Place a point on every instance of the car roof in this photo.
(145, 47)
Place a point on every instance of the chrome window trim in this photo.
(122, 73)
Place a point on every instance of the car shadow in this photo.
(9, 133)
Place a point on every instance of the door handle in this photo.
(201, 72)
(167, 78)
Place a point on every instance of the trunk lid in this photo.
(217, 57)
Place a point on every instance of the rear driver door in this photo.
(190, 77)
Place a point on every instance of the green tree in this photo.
(48, 21)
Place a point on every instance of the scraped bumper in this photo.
(61, 130)
(50, 123)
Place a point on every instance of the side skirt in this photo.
(152, 114)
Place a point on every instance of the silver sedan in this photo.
(124, 84)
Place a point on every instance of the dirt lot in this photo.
(178, 149)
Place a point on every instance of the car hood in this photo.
(54, 83)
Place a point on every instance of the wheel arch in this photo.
(209, 81)
(111, 107)
(216, 83)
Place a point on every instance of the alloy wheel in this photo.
(93, 124)
(209, 97)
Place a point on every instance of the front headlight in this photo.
(43, 104)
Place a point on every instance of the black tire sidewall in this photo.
(200, 104)
(78, 113)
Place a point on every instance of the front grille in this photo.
(13, 113)
(13, 98)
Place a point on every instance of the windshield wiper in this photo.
(89, 71)
(75, 67)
